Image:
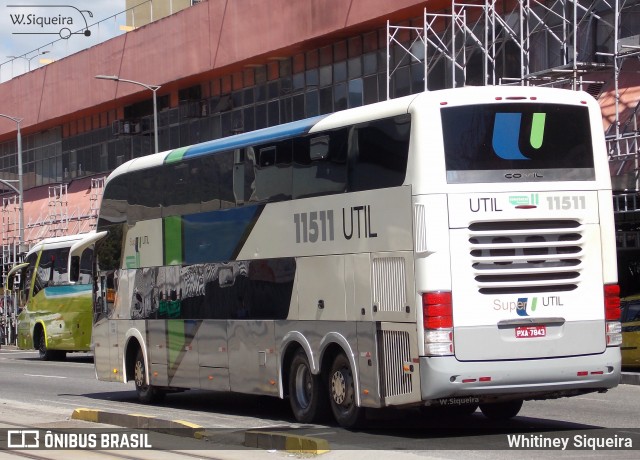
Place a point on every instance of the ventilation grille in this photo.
(389, 281)
(526, 256)
(421, 228)
(395, 353)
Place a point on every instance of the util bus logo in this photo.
(506, 134)
(523, 303)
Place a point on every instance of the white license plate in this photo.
(528, 332)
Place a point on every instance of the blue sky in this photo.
(49, 32)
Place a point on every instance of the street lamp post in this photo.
(29, 59)
(20, 184)
(153, 88)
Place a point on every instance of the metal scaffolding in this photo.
(10, 256)
(563, 43)
(58, 210)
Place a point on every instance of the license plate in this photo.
(527, 332)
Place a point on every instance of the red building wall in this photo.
(212, 38)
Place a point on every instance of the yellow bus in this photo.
(55, 315)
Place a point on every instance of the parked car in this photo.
(631, 331)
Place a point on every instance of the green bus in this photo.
(55, 315)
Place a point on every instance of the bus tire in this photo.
(147, 393)
(43, 352)
(307, 393)
(342, 394)
(502, 410)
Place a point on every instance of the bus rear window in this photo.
(517, 141)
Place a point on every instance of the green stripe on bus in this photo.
(173, 240)
(537, 129)
(176, 342)
(176, 155)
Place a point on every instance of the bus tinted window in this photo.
(181, 195)
(114, 201)
(379, 154)
(519, 141)
(370, 156)
(85, 266)
(145, 194)
(318, 168)
(256, 289)
(26, 283)
(109, 249)
(59, 258)
(272, 171)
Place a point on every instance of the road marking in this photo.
(46, 376)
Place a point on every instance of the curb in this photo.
(138, 421)
(630, 378)
(270, 440)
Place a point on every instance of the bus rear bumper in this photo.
(446, 377)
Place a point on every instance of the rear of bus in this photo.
(514, 245)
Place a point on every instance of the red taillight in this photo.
(612, 302)
(437, 310)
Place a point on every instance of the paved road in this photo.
(47, 392)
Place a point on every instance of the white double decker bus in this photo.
(453, 248)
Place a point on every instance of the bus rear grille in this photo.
(526, 256)
(389, 284)
(395, 352)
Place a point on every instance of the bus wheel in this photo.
(342, 394)
(502, 410)
(44, 353)
(146, 393)
(306, 391)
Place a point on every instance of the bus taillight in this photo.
(613, 328)
(437, 313)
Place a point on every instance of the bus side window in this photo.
(320, 164)
(238, 177)
(109, 249)
(86, 266)
(43, 271)
(180, 188)
(145, 194)
(59, 272)
(114, 200)
(28, 275)
(378, 153)
(272, 171)
(207, 179)
(243, 175)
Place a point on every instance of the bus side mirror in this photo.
(74, 273)
(10, 282)
(18, 270)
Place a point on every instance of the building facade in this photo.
(226, 67)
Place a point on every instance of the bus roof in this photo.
(57, 242)
(219, 145)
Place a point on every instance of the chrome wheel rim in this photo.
(139, 374)
(338, 387)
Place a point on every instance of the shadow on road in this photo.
(393, 429)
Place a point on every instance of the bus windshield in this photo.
(517, 141)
